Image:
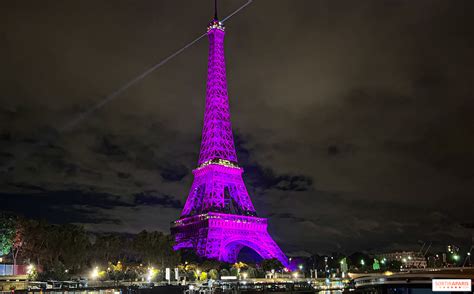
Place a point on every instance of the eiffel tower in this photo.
(219, 219)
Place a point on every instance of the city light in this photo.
(150, 274)
(300, 267)
(244, 275)
(362, 262)
(198, 273)
(30, 269)
(456, 257)
(295, 275)
(95, 273)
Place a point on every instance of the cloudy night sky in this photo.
(353, 120)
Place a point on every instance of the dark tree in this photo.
(271, 264)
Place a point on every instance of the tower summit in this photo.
(219, 219)
(217, 139)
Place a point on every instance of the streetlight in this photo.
(295, 275)
(150, 274)
(95, 273)
(198, 273)
(30, 269)
(300, 267)
(362, 262)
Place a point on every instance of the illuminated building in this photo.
(409, 259)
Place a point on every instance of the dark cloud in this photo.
(147, 198)
(61, 206)
(288, 216)
(264, 178)
(123, 175)
(111, 150)
(353, 121)
(173, 172)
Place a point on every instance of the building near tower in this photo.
(408, 259)
(219, 219)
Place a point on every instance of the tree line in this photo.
(60, 250)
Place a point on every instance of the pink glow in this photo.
(221, 236)
(217, 140)
(219, 219)
(217, 188)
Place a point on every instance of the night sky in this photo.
(353, 120)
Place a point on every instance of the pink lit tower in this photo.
(219, 219)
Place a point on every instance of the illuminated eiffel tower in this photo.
(219, 219)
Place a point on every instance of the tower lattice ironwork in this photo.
(219, 219)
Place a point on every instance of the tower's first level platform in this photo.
(221, 236)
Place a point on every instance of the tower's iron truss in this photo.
(219, 219)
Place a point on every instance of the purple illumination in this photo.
(217, 140)
(219, 219)
(221, 236)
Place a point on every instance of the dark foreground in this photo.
(177, 290)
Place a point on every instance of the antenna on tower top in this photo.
(215, 9)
